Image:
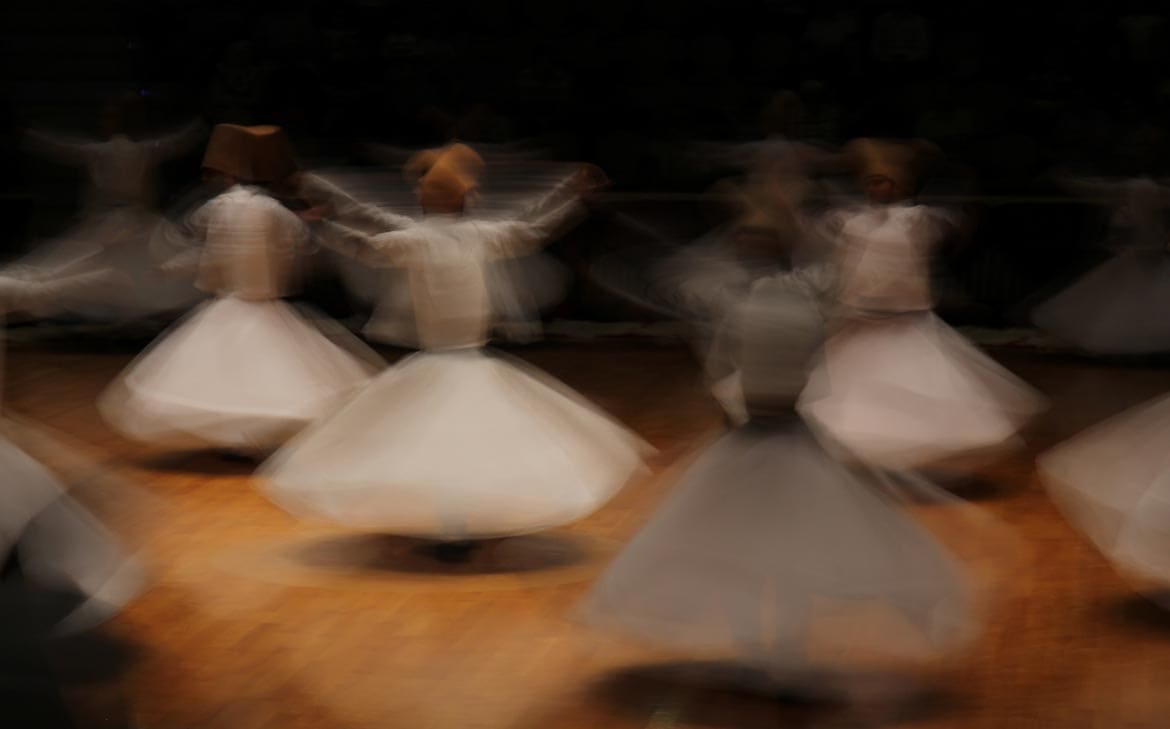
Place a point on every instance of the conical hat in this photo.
(250, 154)
(454, 169)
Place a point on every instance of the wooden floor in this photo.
(256, 621)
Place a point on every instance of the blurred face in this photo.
(881, 190)
(440, 199)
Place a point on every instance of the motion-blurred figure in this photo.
(119, 229)
(57, 543)
(773, 553)
(246, 370)
(521, 288)
(457, 443)
(768, 231)
(897, 386)
(1117, 308)
(1111, 484)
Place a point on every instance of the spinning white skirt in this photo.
(58, 543)
(456, 445)
(909, 391)
(1117, 308)
(238, 374)
(1112, 482)
(130, 241)
(771, 552)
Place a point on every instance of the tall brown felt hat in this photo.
(455, 169)
(260, 154)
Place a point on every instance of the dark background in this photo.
(1010, 93)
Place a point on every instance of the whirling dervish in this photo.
(1116, 309)
(774, 553)
(119, 228)
(457, 443)
(246, 370)
(520, 288)
(897, 386)
(54, 541)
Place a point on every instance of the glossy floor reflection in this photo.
(258, 621)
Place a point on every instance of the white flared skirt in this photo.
(771, 552)
(909, 391)
(1117, 308)
(1112, 482)
(457, 445)
(58, 543)
(131, 242)
(238, 374)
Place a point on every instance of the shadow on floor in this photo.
(206, 462)
(1149, 613)
(35, 664)
(719, 694)
(380, 553)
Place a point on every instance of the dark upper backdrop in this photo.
(1009, 93)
